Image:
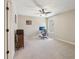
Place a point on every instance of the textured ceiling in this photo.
(28, 7)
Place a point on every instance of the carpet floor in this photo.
(46, 49)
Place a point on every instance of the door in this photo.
(9, 31)
(51, 27)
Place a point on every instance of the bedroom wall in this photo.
(64, 26)
(30, 30)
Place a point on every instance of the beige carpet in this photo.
(46, 49)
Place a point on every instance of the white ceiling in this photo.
(28, 7)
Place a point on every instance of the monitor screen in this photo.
(41, 28)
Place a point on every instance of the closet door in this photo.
(51, 27)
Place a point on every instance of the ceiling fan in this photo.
(42, 10)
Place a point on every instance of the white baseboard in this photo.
(66, 41)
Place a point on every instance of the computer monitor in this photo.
(41, 28)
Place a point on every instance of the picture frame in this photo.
(28, 22)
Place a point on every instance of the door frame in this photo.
(6, 30)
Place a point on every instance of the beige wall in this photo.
(30, 30)
(64, 26)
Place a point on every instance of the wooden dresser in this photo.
(19, 40)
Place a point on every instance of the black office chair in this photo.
(44, 34)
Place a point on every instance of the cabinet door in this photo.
(20, 41)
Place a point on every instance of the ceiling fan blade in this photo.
(48, 12)
(37, 4)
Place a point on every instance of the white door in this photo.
(51, 27)
(9, 36)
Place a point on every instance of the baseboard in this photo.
(66, 41)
